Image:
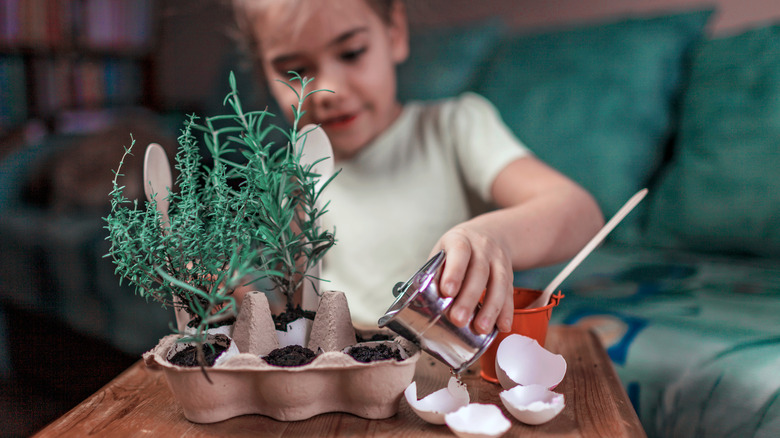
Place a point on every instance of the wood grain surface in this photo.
(139, 403)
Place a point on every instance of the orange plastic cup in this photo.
(527, 322)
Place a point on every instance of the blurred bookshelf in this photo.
(73, 60)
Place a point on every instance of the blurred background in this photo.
(76, 78)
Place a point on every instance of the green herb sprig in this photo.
(231, 223)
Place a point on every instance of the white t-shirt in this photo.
(400, 194)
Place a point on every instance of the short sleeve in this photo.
(484, 145)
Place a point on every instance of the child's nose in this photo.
(331, 79)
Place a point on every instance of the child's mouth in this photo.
(339, 122)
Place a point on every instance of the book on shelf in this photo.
(64, 55)
(89, 24)
(117, 24)
(63, 83)
(13, 93)
(36, 23)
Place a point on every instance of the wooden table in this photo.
(139, 403)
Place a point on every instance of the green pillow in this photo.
(596, 102)
(722, 190)
(443, 61)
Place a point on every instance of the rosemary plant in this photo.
(230, 223)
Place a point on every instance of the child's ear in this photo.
(399, 32)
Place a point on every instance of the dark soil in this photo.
(290, 356)
(188, 357)
(375, 337)
(290, 315)
(372, 353)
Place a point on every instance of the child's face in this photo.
(347, 48)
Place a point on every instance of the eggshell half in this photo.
(297, 333)
(436, 405)
(520, 360)
(532, 404)
(227, 354)
(478, 421)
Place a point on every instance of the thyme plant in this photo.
(230, 223)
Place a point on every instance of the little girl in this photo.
(409, 173)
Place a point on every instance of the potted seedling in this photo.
(245, 216)
(250, 215)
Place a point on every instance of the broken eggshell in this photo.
(520, 360)
(478, 421)
(211, 338)
(226, 330)
(532, 404)
(297, 333)
(433, 407)
(231, 351)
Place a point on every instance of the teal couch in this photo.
(685, 295)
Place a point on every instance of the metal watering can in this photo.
(420, 314)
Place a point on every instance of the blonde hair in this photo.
(245, 10)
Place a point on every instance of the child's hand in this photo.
(477, 263)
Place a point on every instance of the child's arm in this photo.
(544, 218)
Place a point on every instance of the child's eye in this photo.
(286, 71)
(353, 55)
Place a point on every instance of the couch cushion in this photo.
(722, 191)
(596, 102)
(443, 61)
(693, 337)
